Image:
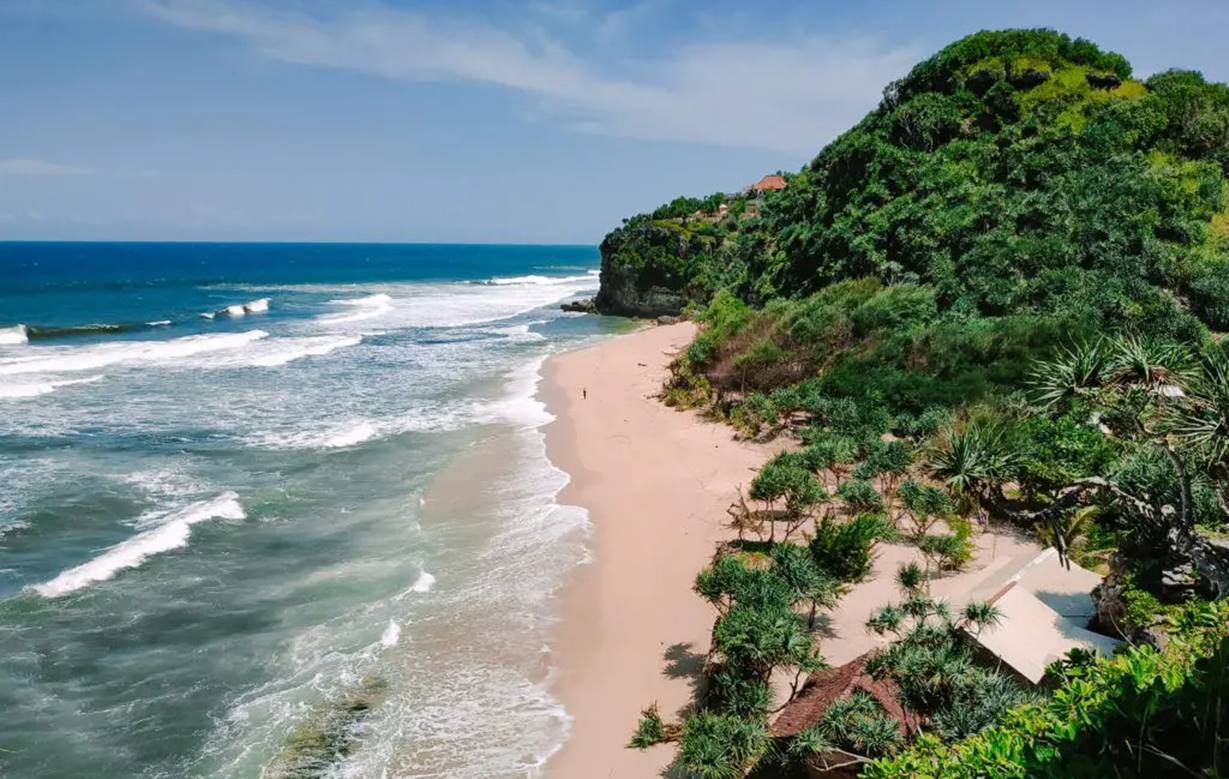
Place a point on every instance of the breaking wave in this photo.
(64, 359)
(35, 388)
(363, 308)
(258, 306)
(537, 279)
(172, 533)
(13, 335)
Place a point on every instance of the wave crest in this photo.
(173, 533)
(258, 306)
(35, 388)
(365, 307)
(63, 359)
(13, 335)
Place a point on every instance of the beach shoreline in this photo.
(656, 483)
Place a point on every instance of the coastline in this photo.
(656, 483)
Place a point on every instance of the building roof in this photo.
(772, 181)
(1045, 607)
(824, 688)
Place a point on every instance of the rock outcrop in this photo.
(621, 296)
(583, 306)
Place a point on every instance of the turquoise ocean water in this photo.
(281, 510)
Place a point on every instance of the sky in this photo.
(544, 121)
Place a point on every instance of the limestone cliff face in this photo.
(620, 295)
(645, 266)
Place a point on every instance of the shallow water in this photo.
(280, 510)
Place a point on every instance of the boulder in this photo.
(1029, 77)
(981, 79)
(1103, 80)
(585, 306)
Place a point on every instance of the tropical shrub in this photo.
(845, 550)
(1143, 713)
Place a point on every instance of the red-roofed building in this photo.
(770, 182)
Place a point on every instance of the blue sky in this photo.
(389, 120)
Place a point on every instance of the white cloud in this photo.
(27, 166)
(786, 95)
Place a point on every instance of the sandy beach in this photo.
(657, 483)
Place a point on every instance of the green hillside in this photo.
(999, 299)
(1012, 172)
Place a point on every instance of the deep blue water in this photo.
(226, 511)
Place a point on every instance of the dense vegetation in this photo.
(998, 298)
(1014, 172)
(1144, 713)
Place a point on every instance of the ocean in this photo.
(281, 510)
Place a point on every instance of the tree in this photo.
(782, 480)
(721, 746)
(924, 505)
(930, 662)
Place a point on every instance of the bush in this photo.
(949, 551)
(860, 496)
(924, 505)
(721, 746)
(650, 730)
(845, 550)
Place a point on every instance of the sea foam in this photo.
(85, 358)
(423, 583)
(367, 307)
(273, 352)
(35, 388)
(391, 635)
(172, 533)
(350, 436)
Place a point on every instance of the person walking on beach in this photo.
(584, 393)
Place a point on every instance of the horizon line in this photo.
(12, 241)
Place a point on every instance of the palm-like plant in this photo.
(1076, 370)
(721, 746)
(910, 577)
(1203, 422)
(1066, 531)
(979, 615)
(972, 462)
(1150, 363)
